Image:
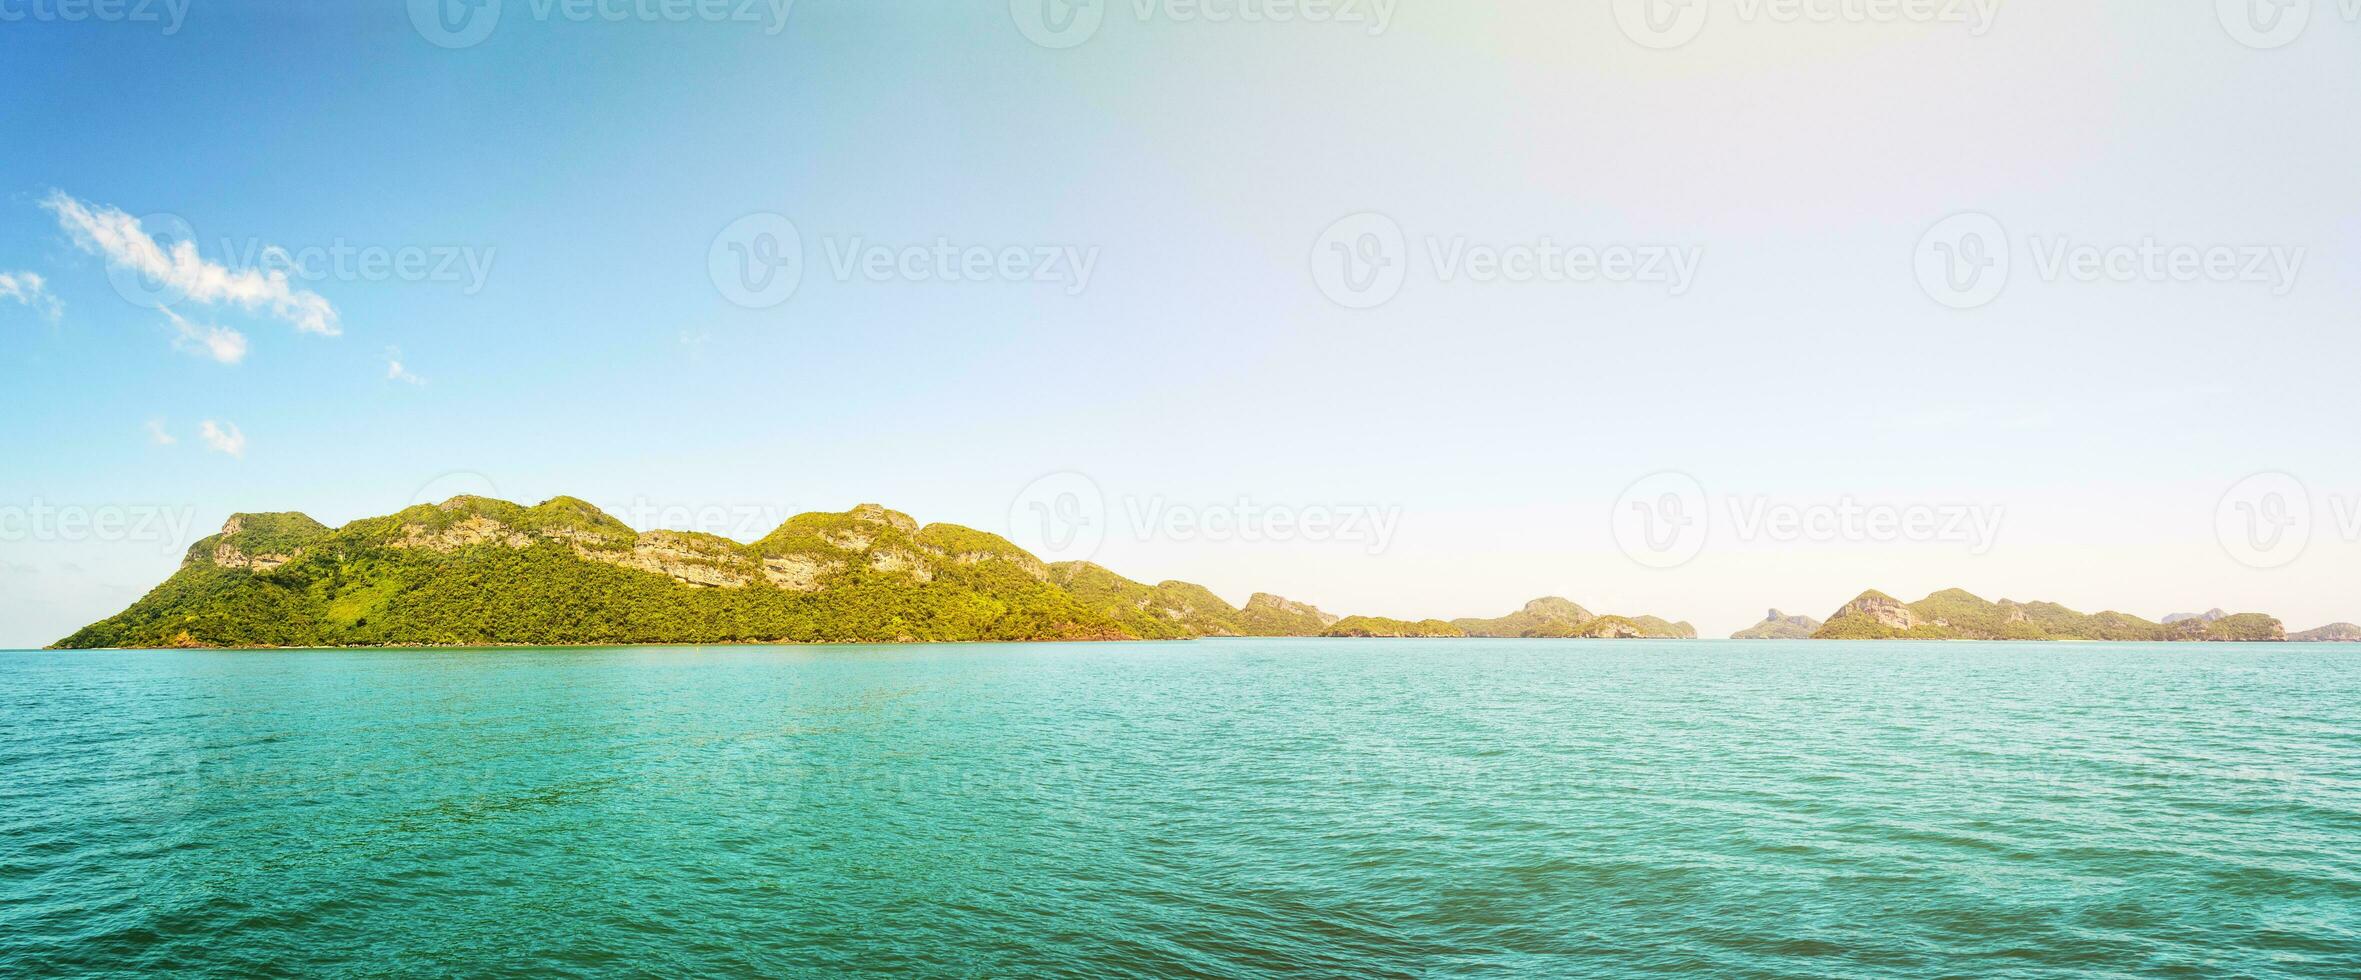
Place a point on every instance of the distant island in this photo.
(1956, 614)
(1780, 626)
(1555, 618)
(474, 571)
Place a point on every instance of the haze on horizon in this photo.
(1409, 310)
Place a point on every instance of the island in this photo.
(474, 571)
(1780, 626)
(1554, 617)
(1956, 614)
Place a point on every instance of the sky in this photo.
(1397, 307)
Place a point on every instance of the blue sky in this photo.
(569, 176)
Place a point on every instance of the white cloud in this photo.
(394, 371)
(116, 236)
(222, 344)
(223, 438)
(28, 289)
(157, 435)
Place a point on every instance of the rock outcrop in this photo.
(257, 542)
(702, 560)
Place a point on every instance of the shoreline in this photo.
(749, 644)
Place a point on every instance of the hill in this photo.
(1780, 626)
(1554, 617)
(476, 571)
(2331, 633)
(1381, 626)
(1955, 614)
(1269, 615)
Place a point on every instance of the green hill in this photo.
(1269, 615)
(1381, 626)
(475, 571)
(1780, 626)
(1955, 614)
(1546, 616)
(1172, 610)
(1553, 617)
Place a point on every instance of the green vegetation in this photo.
(1955, 614)
(262, 534)
(1269, 615)
(474, 571)
(1199, 609)
(1381, 626)
(1634, 628)
(1780, 626)
(1653, 627)
(2244, 628)
(1547, 616)
(1143, 611)
(1551, 617)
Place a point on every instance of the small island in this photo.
(1956, 614)
(1780, 626)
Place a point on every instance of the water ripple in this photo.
(1218, 808)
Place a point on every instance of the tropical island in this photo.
(474, 571)
(1956, 614)
(1780, 626)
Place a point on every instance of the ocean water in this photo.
(1224, 807)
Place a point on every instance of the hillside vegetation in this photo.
(1551, 617)
(1955, 614)
(1373, 626)
(474, 571)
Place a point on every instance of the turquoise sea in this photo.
(1223, 807)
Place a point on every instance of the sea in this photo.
(1218, 808)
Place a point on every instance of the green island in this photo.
(1554, 618)
(1956, 614)
(1381, 626)
(1780, 626)
(474, 571)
